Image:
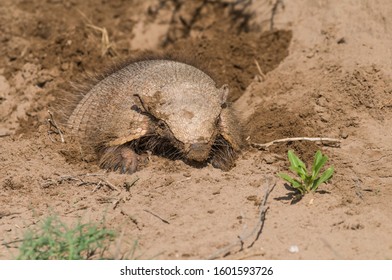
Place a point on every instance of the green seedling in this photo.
(307, 181)
(56, 241)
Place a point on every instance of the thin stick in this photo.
(262, 75)
(49, 182)
(324, 141)
(257, 229)
(97, 187)
(263, 211)
(83, 207)
(117, 202)
(12, 242)
(3, 214)
(128, 186)
(110, 185)
(155, 215)
(92, 174)
(52, 124)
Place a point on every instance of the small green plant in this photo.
(56, 241)
(307, 181)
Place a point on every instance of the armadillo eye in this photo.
(161, 124)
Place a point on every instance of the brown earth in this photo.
(327, 73)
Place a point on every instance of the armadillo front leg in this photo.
(122, 158)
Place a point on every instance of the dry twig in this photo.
(54, 128)
(155, 215)
(50, 182)
(129, 185)
(110, 185)
(262, 75)
(325, 141)
(117, 202)
(97, 187)
(263, 211)
(6, 214)
(269, 186)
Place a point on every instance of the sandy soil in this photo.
(327, 67)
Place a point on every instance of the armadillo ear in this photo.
(224, 94)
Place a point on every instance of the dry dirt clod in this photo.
(165, 107)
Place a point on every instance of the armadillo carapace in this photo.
(166, 107)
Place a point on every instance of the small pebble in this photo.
(293, 249)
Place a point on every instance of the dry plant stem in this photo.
(324, 141)
(269, 186)
(3, 214)
(12, 242)
(83, 207)
(97, 187)
(54, 128)
(155, 215)
(262, 75)
(49, 182)
(111, 186)
(92, 174)
(117, 202)
(106, 45)
(263, 211)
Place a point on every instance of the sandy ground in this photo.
(327, 67)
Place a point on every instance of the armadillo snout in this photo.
(198, 151)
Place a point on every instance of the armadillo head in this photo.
(189, 114)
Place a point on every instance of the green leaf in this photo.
(297, 185)
(297, 165)
(286, 177)
(293, 182)
(319, 161)
(323, 178)
(294, 160)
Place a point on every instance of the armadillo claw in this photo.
(119, 158)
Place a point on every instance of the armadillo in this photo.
(166, 107)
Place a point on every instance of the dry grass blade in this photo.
(106, 45)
